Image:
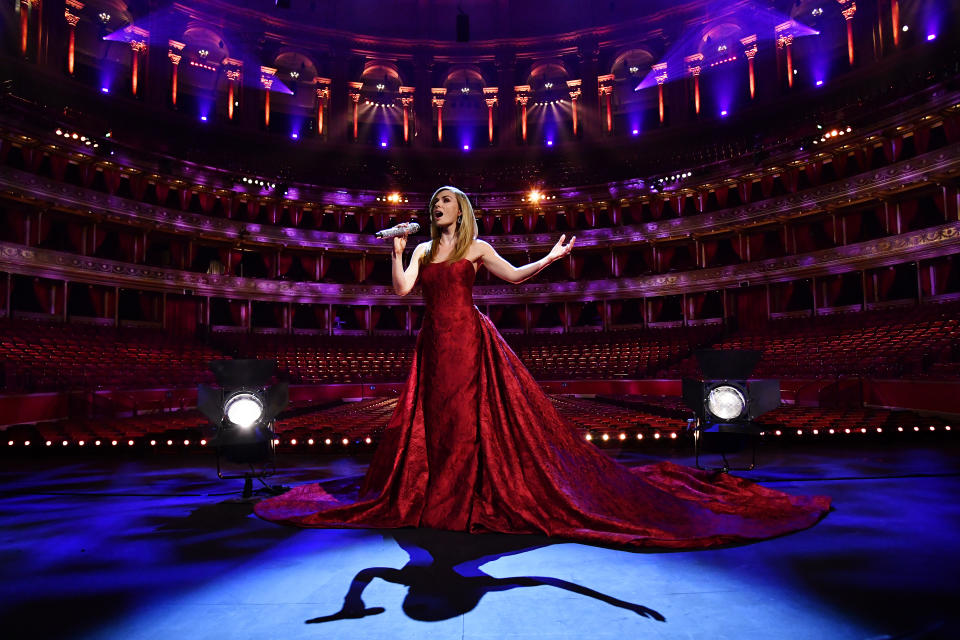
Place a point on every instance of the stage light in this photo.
(726, 402)
(345, 442)
(10, 443)
(673, 435)
(328, 441)
(466, 147)
(186, 443)
(310, 441)
(636, 132)
(65, 443)
(656, 436)
(549, 143)
(49, 443)
(293, 441)
(605, 437)
(819, 83)
(368, 440)
(639, 436)
(294, 136)
(203, 443)
(931, 36)
(104, 89)
(81, 443)
(623, 436)
(169, 443)
(203, 118)
(383, 143)
(130, 443)
(723, 113)
(153, 443)
(242, 411)
(587, 437)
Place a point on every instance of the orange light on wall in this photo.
(574, 87)
(354, 93)
(661, 75)
(439, 97)
(175, 54)
(785, 42)
(750, 50)
(605, 88)
(848, 8)
(233, 76)
(490, 97)
(693, 66)
(323, 95)
(266, 80)
(72, 20)
(522, 96)
(24, 25)
(895, 20)
(406, 100)
(136, 47)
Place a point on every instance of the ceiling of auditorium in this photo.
(438, 19)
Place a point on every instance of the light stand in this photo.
(242, 410)
(726, 404)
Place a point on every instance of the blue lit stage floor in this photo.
(155, 548)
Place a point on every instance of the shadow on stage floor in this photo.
(156, 547)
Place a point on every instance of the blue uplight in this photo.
(931, 36)
(635, 132)
(466, 147)
(294, 136)
(383, 143)
(105, 89)
(723, 113)
(819, 83)
(204, 118)
(549, 143)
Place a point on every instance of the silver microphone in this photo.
(402, 229)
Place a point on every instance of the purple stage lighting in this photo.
(383, 143)
(105, 89)
(294, 136)
(931, 36)
(549, 143)
(466, 147)
(204, 118)
(723, 113)
(636, 132)
(819, 83)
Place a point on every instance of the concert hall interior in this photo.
(190, 181)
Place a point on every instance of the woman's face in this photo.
(445, 209)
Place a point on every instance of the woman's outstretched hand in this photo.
(560, 250)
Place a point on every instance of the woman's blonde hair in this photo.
(466, 227)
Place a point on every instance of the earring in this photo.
(460, 218)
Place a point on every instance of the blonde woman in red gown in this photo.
(475, 445)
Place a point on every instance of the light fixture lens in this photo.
(244, 409)
(726, 402)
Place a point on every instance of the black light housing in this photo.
(242, 410)
(726, 402)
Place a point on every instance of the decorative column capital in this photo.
(439, 94)
(267, 76)
(660, 70)
(490, 95)
(693, 63)
(76, 5)
(407, 95)
(605, 84)
(522, 94)
(322, 88)
(353, 90)
(138, 36)
(749, 46)
(848, 8)
(782, 32)
(71, 18)
(574, 88)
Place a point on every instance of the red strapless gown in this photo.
(475, 445)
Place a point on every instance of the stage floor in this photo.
(157, 547)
